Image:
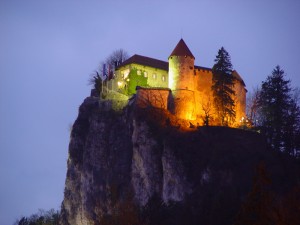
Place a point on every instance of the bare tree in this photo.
(207, 108)
(118, 56)
(111, 62)
(252, 107)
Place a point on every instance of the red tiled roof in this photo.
(146, 61)
(182, 49)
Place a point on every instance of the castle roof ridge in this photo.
(146, 61)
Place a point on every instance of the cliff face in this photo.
(99, 163)
(114, 156)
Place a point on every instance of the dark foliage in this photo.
(280, 114)
(264, 207)
(50, 217)
(259, 205)
(116, 57)
(96, 81)
(222, 87)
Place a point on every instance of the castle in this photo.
(177, 85)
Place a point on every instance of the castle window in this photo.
(139, 72)
(145, 74)
(163, 78)
(154, 76)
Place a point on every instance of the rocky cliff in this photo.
(135, 154)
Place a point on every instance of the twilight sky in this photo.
(48, 49)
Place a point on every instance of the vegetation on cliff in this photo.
(50, 217)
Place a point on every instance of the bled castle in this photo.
(177, 85)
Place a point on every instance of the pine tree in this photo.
(291, 130)
(280, 113)
(222, 87)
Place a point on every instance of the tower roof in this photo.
(182, 49)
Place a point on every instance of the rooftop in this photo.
(146, 61)
(151, 62)
(182, 49)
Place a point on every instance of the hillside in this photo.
(135, 164)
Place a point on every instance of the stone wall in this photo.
(155, 97)
(203, 94)
(240, 100)
(184, 104)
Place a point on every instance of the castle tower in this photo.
(181, 81)
(181, 68)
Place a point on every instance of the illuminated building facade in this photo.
(177, 85)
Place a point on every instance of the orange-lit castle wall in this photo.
(204, 96)
(179, 86)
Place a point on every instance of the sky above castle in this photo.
(48, 49)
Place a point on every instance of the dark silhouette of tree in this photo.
(280, 113)
(96, 81)
(253, 113)
(112, 62)
(258, 208)
(22, 221)
(222, 87)
(207, 108)
(288, 212)
(50, 217)
(263, 208)
(116, 57)
(104, 73)
(291, 133)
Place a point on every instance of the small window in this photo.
(154, 76)
(139, 72)
(163, 78)
(145, 74)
